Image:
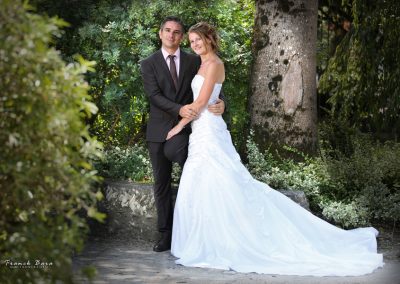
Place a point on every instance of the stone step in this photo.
(131, 213)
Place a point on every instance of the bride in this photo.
(225, 219)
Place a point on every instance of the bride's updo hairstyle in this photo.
(206, 31)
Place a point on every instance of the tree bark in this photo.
(283, 105)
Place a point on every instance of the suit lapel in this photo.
(182, 68)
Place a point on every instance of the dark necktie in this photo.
(172, 69)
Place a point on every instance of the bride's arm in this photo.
(201, 101)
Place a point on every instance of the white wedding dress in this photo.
(226, 219)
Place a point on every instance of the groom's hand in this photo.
(218, 108)
(187, 111)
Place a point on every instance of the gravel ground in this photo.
(119, 258)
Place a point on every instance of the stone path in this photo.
(133, 261)
(121, 251)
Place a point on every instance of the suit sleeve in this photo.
(221, 96)
(154, 93)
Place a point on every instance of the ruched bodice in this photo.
(207, 120)
(196, 87)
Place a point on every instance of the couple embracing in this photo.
(224, 218)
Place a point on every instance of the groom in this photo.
(167, 75)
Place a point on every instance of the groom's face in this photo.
(171, 35)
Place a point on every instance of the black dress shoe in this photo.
(163, 244)
(160, 247)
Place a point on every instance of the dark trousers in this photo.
(162, 155)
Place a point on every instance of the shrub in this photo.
(258, 163)
(365, 163)
(351, 189)
(368, 176)
(132, 163)
(310, 175)
(381, 202)
(346, 214)
(45, 176)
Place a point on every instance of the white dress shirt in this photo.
(177, 58)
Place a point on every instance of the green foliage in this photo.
(349, 189)
(364, 163)
(118, 35)
(310, 175)
(362, 77)
(331, 18)
(368, 172)
(45, 176)
(346, 214)
(131, 163)
(382, 201)
(259, 163)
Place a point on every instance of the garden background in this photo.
(73, 112)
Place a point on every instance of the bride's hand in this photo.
(178, 128)
(187, 111)
(196, 109)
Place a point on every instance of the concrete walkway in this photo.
(133, 261)
(121, 250)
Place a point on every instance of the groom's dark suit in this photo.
(165, 103)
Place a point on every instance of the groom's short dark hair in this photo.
(172, 19)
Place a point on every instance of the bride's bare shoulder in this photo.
(216, 64)
(216, 69)
(217, 61)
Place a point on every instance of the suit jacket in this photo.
(165, 101)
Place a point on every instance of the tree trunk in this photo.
(283, 104)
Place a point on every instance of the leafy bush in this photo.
(360, 161)
(381, 202)
(310, 175)
(45, 176)
(346, 214)
(131, 163)
(369, 175)
(258, 163)
(350, 190)
(375, 202)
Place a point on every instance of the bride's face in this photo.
(197, 44)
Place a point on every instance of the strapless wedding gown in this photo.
(226, 219)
